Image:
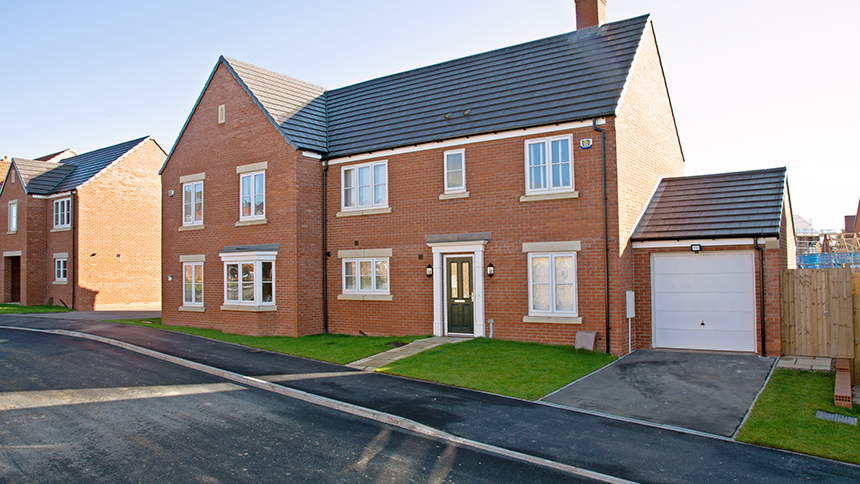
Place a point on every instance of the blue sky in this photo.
(754, 84)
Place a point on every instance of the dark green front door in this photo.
(459, 300)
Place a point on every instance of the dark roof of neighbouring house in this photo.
(570, 77)
(66, 153)
(726, 205)
(48, 177)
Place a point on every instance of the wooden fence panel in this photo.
(819, 312)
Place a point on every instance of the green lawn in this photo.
(784, 417)
(335, 348)
(523, 370)
(18, 309)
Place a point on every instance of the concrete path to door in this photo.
(702, 392)
(381, 359)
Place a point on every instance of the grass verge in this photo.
(784, 417)
(523, 370)
(334, 348)
(18, 309)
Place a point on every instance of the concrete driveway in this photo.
(704, 392)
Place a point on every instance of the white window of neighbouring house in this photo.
(455, 171)
(192, 290)
(61, 270)
(365, 276)
(549, 165)
(192, 203)
(13, 216)
(252, 203)
(249, 278)
(62, 212)
(552, 284)
(365, 186)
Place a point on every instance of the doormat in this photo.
(835, 417)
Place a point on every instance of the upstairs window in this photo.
(365, 186)
(13, 216)
(455, 171)
(252, 203)
(549, 165)
(192, 203)
(63, 213)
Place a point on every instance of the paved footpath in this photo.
(612, 447)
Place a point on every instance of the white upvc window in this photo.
(61, 270)
(13, 216)
(192, 287)
(249, 278)
(192, 203)
(252, 198)
(549, 165)
(552, 284)
(365, 186)
(365, 276)
(455, 171)
(62, 212)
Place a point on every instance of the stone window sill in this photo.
(61, 283)
(186, 228)
(249, 308)
(12, 232)
(193, 309)
(61, 229)
(551, 320)
(365, 297)
(549, 196)
(369, 211)
(453, 196)
(258, 221)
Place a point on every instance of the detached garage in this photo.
(698, 253)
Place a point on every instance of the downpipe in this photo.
(605, 226)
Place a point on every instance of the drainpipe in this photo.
(605, 226)
(74, 264)
(761, 284)
(325, 247)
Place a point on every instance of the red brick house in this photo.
(84, 230)
(493, 195)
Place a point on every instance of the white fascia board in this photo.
(660, 244)
(466, 140)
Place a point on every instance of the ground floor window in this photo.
(61, 270)
(365, 276)
(192, 284)
(552, 284)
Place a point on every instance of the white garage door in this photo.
(704, 301)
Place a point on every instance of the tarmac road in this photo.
(73, 410)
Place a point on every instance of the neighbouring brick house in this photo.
(290, 209)
(84, 230)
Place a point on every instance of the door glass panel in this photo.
(455, 276)
(466, 277)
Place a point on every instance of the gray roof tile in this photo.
(725, 205)
(568, 77)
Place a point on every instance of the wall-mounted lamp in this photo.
(696, 248)
(429, 270)
(490, 269)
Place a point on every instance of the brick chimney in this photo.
(590, 13)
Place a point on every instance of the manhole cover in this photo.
(835, 417)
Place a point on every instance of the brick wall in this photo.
(118, 257)
(293, 194)
(18, 240)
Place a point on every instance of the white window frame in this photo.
(374, 277)
(61, 269)
(552, 288)
(462, 153)
(252, 195)
(13, 216)
(549, 162)
(63, 212)
(350, 201)
(257, 259)
(196, 268)
(185, 203)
